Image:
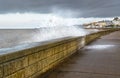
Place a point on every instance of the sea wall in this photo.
(34, 59)
(93, 36)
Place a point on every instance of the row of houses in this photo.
(115, 23)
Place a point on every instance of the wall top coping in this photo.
(21, 50)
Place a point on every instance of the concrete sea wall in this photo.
(93, 36)
(35, 59)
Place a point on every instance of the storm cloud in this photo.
(79, 8)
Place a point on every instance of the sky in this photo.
(37, 13)
(78, 8)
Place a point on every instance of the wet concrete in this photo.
(100, 59)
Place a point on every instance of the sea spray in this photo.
(44, 27)
(49, 33)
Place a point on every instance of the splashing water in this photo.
(9, 38)
(58, 32)
(48, 27)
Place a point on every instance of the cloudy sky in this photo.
(78, 8)
(41, 13)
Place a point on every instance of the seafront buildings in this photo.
(115, 23)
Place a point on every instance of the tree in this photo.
(116, 18)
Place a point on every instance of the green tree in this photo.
(116, 18)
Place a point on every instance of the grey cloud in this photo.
(83, 8)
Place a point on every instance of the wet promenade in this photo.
(100, 59)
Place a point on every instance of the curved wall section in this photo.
(32, 60)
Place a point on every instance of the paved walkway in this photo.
(100, 59)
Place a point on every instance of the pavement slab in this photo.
(100, 59)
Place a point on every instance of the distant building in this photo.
(115, 23)
(109, 22)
